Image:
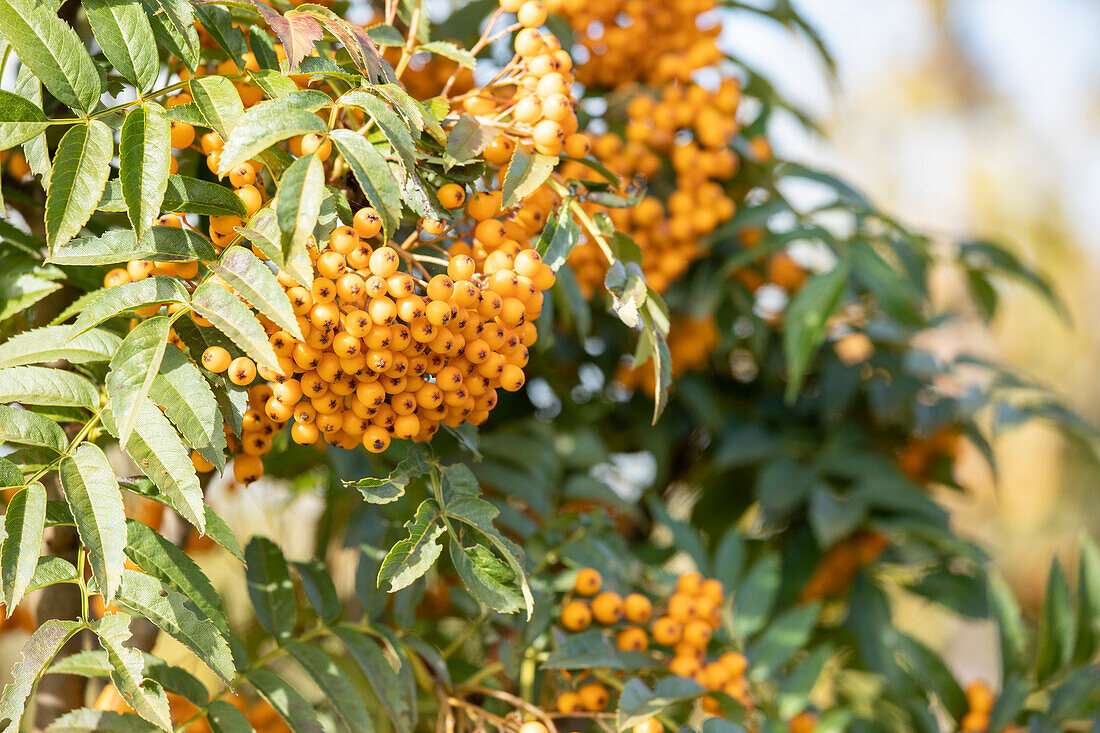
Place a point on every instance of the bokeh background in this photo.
(974, 118)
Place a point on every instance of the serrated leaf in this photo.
(219, 102)
(81, 166)
(96, 503)
(261, 127)
(449, 50)
(273, 84)
(466, 140)
(160, 454)
(89, 720)
(28, 428)
(51, 343)
(224, 718)
(638, 703)
(216, 528)
(20, 120)
(218, 22)
(389, 122)
(270, 588)
(128, 671)
(232, 399)
(319, 589)
(526, 172)
(233, 318)
(44, 644)
(123, 31)
(411, 557)
(291, 706)
(298, 32)
(31, 385)
(335, 685)
(162, 559)
(1055, 644)
(559, 237)
(110, 302)
(169, 611)
(383, 677)
(654, 343)
(144, 154)
(189, 403)
(133, 368)
(255, 282)
(300, 191)
(23, 525)
(50, 570)
(186, 195)
(53, 51)
(173, 24)
(384, 489)
(805, 322)
(487, 577)
(29, 87)
(755, 596)
(168, 244)
(373, 174)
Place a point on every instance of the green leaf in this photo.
(466, 141)
(168, 244)
(23, 525)
(1055, 644)
(299, 204)
(232, 399)
(261, 127)
(110, 302)
(53, 51)
(784, 636)
(20, 120)
(173, 24)
(729, 558)
(389, 122)
(932, 675)
(638, 703)
(160, 454)
(233, 318)
(411, 557)
(186, 195)
(559, 237)
(32, 385)
(337, 688)
(223, 717)
(171, 612)
(590, 649)
(29, 87)
(144, 154)
(270, 588)
(805, 322)
(273, 84)
(373, 174)
(96, 504)
(216, 528)
(291, 706)
(123, 32)
(755, 597)
(218, 22)
(254, 281)
(81, 166)
(487, 577)
(320, 589)
(383, 677)
(51, 343)
(451, 51)
(1088, 600)
(128, 671)
(45, 643)
(28, 428)
(1009, 702)
(133, 368)
(189, 403)
(159, 557)
(526, 172)
(796, 687)
(50, 570)
(653, 346)
(219, 102)
(89, 720)
(384, 489)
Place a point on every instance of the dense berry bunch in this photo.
(677, 632)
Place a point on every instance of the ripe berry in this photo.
(607, 608)
(367, 222)
(242, 371)
(575, 616)
(588, 582)
(568, 702)
(452, 195)
(531, 14)
(247, 469)
(804, 722)
(632, 639)
(637, 609)
(666, 631)
(216, 359)
(533, 726)
(649, 725)
(593, 697)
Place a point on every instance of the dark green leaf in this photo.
(411, 557)
(384, 489)
(373, 174)
(638, 703)
(269, 587)
(526, 172)
(755, 596)
(805, 322)
(338, 690)
(293, 708)
(1055, 644)
(383, 677)
(189, 403)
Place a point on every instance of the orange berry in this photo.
(666, 631)
(632, 639)
(607, 608)
(594, 697)
(216, 359)
(804, 722)
(649, 725)
(575, 616)
(367, 222)
(247, 469)
(568, 702)
(588, 580)
(242, 371)
(637, 609)
(452, 195)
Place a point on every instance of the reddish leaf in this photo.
(298, 32)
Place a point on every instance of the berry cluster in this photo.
(681, 626)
